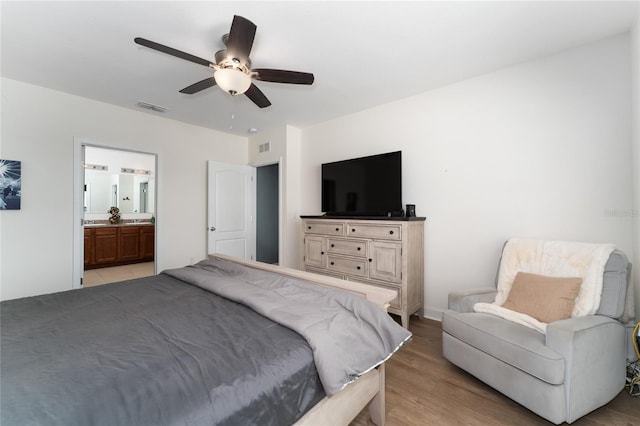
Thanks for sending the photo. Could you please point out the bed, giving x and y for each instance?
(225, 341)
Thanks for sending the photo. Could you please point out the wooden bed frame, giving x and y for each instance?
(342, 407)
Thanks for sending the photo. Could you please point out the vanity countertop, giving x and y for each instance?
(121, 224)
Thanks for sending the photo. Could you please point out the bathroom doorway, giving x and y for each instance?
(118, 210)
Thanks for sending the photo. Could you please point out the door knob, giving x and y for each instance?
(213, 228)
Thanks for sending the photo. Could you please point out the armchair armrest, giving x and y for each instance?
(594, 352)
(463, 301)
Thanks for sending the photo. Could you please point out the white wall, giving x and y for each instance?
(292, 226)
(635, 73)
(285, 147)
(38, 128)
(538, 150)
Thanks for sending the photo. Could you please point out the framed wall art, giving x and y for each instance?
(10, 184)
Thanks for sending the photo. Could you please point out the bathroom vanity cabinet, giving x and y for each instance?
(113, 245)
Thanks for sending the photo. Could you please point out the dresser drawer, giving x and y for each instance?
(324, 228)
(357, 267)
(381, 232)
(349, 247)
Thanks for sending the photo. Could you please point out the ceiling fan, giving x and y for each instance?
(232, 69)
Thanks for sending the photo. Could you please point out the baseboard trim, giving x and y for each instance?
(433, 313)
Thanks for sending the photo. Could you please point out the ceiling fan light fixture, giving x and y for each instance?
(232, 70)
(232, 80)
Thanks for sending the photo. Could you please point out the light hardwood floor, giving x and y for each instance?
(423, 388)
(93, 277)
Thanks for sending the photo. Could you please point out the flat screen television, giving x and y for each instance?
(366, 186)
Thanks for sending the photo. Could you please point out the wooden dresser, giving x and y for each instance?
(388, 253)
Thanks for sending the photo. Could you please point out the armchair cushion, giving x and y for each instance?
(543, 298)
(521, 347)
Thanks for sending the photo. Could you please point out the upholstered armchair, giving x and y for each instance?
(561, 369)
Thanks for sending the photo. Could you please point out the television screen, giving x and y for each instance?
(366, 186)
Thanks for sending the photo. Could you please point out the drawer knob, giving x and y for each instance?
(321, 252)
(391, 232)
(308, 227)
(353, 230)
(337, 229)
(370, 260)
(359, 248)
(333, 245)
(332, 263)
(358, 268)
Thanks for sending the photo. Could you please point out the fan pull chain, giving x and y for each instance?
(233, 115)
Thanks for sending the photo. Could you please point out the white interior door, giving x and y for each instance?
(231, 210)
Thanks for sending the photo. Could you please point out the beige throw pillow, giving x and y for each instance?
(544, 298)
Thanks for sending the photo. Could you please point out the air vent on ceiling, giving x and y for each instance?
(264, 147)
(152, 107)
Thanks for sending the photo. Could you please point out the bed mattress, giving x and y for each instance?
(152, 351)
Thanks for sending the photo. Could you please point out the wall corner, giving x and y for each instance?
(635, 167)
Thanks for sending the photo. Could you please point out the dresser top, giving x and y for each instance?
(391, 218)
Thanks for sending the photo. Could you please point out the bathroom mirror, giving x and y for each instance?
(130, 193)
(118, 178)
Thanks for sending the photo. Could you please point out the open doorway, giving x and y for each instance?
(268, 213)
(116, 249)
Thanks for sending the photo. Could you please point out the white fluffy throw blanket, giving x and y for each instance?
(513, 316)
(554, 259)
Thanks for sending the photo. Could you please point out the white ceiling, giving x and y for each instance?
(362, 53)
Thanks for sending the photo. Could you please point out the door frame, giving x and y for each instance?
(78, 205)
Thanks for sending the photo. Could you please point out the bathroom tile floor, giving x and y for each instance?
(101, 276)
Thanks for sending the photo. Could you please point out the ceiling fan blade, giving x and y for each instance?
(257, 97)
(283, 76)
(201, 85)
(171, 51)
(240, 39)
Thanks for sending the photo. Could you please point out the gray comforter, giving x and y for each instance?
(158, 351)
(349, 335)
